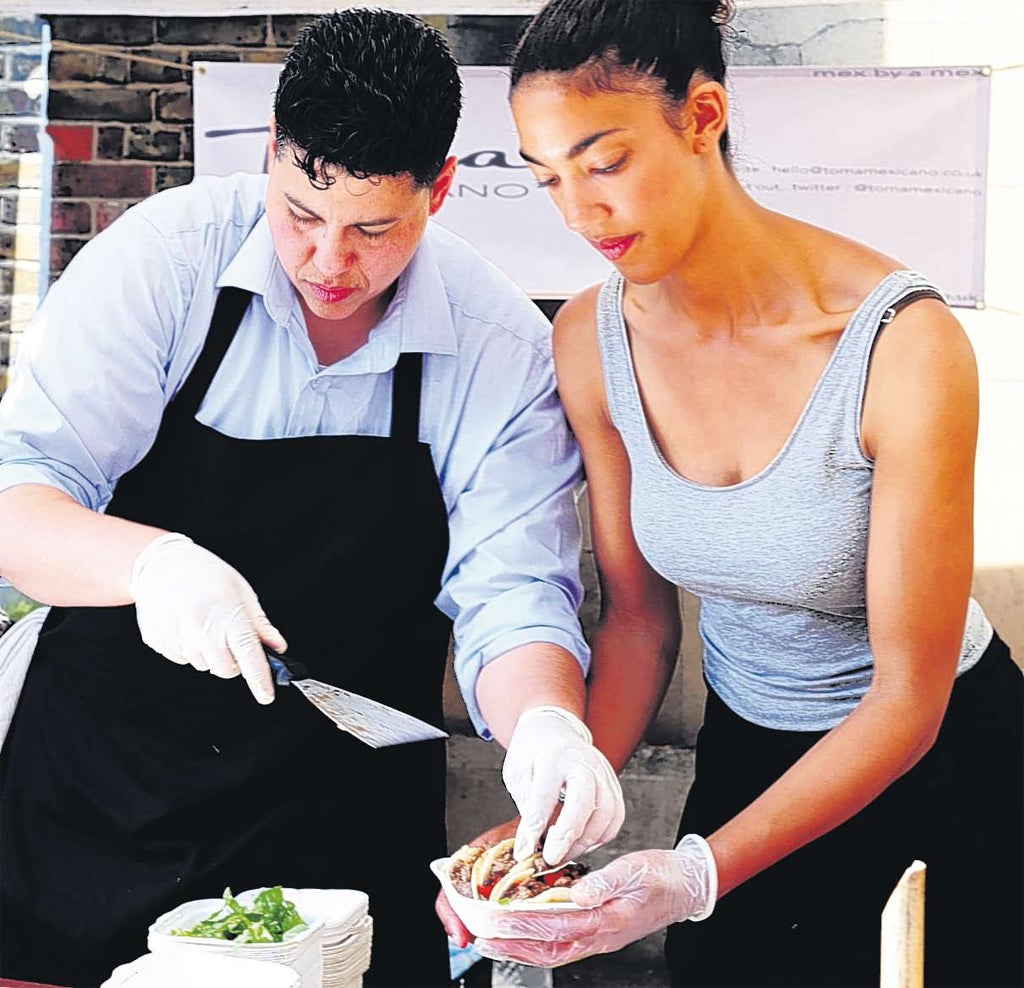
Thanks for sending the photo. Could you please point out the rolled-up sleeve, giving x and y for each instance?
(88, 386)
(512, 576)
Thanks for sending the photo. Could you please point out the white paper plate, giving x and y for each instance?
(339, 910)
(300, 951)
(347, 929)
(200, 971)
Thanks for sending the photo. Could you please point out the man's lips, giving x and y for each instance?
(614, 247)
(329, 295)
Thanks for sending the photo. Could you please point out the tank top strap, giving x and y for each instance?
(849, 373)
(621, 389)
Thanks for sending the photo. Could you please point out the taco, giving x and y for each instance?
(492, 873)
(460, 868)
(492, 866)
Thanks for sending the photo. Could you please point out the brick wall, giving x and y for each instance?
(120, 113)
(22, 88)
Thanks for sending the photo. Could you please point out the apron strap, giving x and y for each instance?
(227, 314)
(405, 397)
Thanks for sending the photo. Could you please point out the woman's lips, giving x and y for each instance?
(330, 295)
(614, 247)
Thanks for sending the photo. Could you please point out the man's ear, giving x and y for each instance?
(442, 184)
(271, 144)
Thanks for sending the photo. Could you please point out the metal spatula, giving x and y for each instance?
(371, 722)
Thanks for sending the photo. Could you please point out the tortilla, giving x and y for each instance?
(492, 866)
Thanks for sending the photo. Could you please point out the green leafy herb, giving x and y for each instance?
(267, 920)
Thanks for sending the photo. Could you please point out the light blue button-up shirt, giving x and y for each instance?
(118, 333)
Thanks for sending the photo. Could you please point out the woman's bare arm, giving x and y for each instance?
(920, 425)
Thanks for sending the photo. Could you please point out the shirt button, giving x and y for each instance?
(321, 384)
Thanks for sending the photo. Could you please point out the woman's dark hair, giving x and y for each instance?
(610, 42)
(373, 92)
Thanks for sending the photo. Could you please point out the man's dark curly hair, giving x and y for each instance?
(372, 92)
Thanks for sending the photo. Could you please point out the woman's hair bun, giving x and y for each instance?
(720, 11)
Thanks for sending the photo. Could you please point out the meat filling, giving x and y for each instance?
(562, 878)
(460, 871)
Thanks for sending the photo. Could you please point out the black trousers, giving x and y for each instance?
(814, 918)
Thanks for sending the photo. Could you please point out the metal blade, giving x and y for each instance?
(373, 723)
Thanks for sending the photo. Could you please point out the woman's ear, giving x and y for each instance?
(708, 106)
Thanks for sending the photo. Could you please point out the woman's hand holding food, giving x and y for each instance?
(195, 609)
(622, 902)
(551, 757)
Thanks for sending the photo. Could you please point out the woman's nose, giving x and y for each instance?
(580, 210)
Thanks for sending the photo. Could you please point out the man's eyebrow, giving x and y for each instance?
(577, 149)
(299, 205)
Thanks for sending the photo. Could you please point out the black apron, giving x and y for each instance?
(131, 784)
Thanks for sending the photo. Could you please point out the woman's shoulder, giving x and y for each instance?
(577, 357)
(846, 270)
(575, 324)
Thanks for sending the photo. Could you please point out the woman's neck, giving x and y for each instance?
(746, 266)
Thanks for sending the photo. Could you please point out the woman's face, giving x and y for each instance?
(621, 177)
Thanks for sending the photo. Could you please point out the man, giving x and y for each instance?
(292, 399)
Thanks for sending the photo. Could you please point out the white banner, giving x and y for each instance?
(892, 157)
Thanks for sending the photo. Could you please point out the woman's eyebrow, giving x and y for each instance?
(577, 149)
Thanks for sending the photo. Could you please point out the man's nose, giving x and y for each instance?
(334, 254)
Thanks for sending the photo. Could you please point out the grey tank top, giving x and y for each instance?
(778, 561)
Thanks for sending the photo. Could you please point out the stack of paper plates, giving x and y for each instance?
(200, 970)
(346, 930)
(301, 952)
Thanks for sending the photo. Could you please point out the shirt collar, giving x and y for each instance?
(418, 318)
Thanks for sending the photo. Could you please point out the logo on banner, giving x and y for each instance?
(489, 158)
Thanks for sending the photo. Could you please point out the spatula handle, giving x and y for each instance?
(285, 668)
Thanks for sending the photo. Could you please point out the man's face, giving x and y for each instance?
(343, 247)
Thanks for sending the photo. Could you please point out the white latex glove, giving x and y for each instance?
(550, 759)
(195, 609)
(624, 901)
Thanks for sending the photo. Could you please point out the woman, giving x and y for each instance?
(784, 422)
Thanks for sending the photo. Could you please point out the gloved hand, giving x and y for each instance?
(195, 609)
(626, 900)
(551, 758)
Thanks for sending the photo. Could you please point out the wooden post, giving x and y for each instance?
(903, 932)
